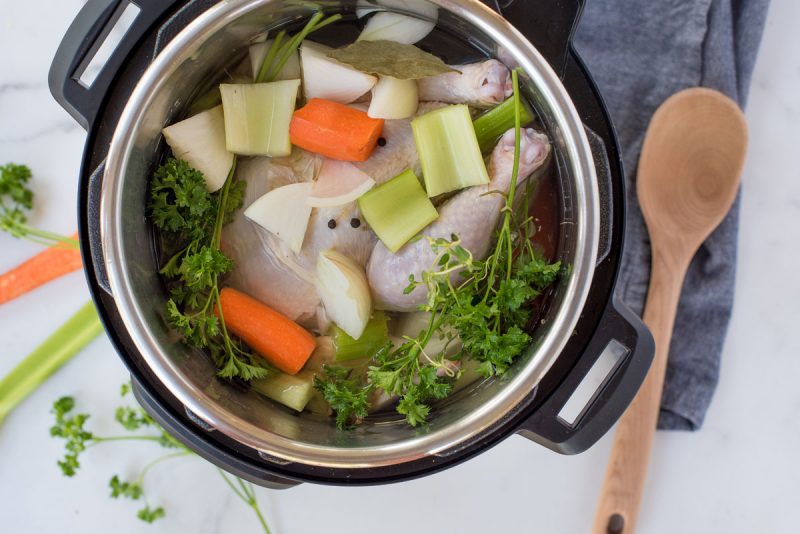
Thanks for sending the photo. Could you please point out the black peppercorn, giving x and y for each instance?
(331, 224)
(381, 141)
(355, 223)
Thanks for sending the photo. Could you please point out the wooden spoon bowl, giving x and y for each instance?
(689, 172)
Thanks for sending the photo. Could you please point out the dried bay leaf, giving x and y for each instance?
(388, 58)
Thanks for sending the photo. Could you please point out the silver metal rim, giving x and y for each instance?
(587, 233)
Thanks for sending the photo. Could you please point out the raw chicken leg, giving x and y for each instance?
(482, 85)
(471, 214)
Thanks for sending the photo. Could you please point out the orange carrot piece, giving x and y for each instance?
(46, 266)
(281, 341)
(334, 130)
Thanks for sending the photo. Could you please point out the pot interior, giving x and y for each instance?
(214, 44)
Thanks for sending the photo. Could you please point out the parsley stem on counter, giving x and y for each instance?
(71, 428)
(15, 199)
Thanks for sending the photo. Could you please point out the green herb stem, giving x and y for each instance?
(48, 357)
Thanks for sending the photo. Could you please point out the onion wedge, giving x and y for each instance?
(338, 183)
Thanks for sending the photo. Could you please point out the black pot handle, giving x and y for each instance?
(623, 349)
(548, 24)
(80, 44)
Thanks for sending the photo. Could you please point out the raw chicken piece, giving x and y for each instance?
(399, 153)
(471, 214)
(481, 85)
(265, 267)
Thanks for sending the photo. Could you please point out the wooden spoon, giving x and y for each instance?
(689, 173)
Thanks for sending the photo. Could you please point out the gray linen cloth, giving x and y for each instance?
(640, 52)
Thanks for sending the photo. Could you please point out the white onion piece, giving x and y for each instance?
(326, 78)
(290, 70)
(343, 289)
(338, 183)
(285, 212)
(200, 141)
(395, 27)
(394, 99)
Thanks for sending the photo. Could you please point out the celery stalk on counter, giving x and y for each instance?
(56, 350)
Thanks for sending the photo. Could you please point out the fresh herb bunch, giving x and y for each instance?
(488, 309)
(16, 199)
(71, 427)
(186, 213)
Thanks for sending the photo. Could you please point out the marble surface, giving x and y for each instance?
(739, 474)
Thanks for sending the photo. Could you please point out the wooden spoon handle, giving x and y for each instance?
(618, 506)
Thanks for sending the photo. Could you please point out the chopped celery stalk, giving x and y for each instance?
(375, 336)
(257, 117)
(398, 209)
(448, 150)
(293, 391)
(54, 352)
(497, 121)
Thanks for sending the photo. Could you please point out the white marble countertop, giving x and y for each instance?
(739, 474)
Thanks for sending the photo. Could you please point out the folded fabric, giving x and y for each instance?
(640, 53)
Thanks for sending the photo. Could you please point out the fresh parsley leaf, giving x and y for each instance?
(346, 394)
(129, 490)
(16, 198)
(150, 515)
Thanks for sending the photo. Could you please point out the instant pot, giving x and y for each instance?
(589, 354)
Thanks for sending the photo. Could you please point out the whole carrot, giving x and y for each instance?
(281, 341)
(48, 265)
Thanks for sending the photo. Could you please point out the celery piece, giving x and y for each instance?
(56, 350)
(397, 210)
(375, 336)
(257, 117)
(497, 121)
(448, 150)
(293, 391)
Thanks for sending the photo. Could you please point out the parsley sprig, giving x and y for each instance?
(72, 428)
(16, 199)
(487, 309)
(187, 214)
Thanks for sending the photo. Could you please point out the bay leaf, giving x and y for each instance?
(389, 58)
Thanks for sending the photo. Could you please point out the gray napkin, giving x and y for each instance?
(640, 53)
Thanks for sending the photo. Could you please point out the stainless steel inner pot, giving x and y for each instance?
(190, 62)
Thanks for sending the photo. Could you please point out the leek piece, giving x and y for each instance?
(448, 150)
(375, 336)
(398, 209)
(497, 121)
(257, 117)
(293, 391)
(48, 357)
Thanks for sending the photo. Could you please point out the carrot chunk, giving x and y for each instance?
(281, 341)
(334, 130)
